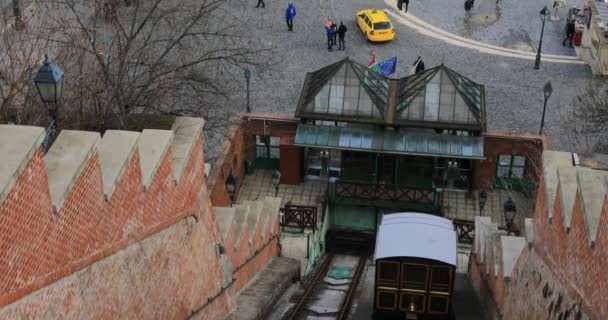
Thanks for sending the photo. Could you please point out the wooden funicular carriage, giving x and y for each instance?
(416, 256)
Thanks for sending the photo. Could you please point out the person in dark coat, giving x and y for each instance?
(407, 3)
(569, 32)
(330, 36)
(400, 5)
(468, 5)
(341, 34)
(334, 32)
(418, 65)
(261, 2)
(290, 14)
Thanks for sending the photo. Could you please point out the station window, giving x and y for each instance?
(267, 147)
(511, 166)
(414, 276)
(440, 279)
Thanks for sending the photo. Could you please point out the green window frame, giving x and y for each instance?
(511, 166)
(267, 147)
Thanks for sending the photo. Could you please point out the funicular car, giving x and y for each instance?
(415, 257)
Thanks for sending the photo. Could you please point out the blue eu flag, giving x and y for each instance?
(388, 67)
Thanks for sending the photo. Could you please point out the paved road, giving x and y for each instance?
(513, 88)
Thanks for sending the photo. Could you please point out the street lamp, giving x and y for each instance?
(547, 90)
(276, 181)
(543, 16)
(49, 83)
(510, 210)
(483, 197)
(231, 186)
(247, 77)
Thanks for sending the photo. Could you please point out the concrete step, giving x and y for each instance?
(17, 147)
(225, 218)
(65, 161)
(265, 288)
(239, 222)
(116, 150)
(254, 217)
(153, 145)
(186, 131)
(272, 205)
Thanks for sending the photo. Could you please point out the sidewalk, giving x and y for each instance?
(506, 23)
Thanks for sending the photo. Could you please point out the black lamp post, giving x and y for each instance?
(231, 186)
(547, 90)
(49, 83)
(510, 210)
(543, 16)
(483, 197)
(247, 77)
(276, 181)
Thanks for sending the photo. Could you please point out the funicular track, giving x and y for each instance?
(315, 288)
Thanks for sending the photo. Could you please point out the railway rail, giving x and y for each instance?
(315, 287)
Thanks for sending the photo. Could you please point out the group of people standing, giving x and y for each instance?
(334, 32)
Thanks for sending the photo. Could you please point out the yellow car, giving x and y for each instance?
(375, 25)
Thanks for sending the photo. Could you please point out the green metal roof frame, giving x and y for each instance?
(389, 141)
(393, 96)
(375, 85)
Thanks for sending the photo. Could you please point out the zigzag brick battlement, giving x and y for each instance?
(89, 196)
(563, 269)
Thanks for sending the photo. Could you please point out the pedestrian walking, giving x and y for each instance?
(569, 32)
(468, 5)
(261, 2)
(334, 32)
(330, 35)
(341, 34)
(407, 3)
(418, 66)
(290, 14)
(400, 5)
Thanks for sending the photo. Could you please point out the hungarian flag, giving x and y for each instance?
(373, 62)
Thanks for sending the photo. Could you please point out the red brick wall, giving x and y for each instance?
(569, 254)
(562, 274)
(136, 255)
(536, 293)
(530, 146)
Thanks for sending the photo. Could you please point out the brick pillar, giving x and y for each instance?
(290, 160)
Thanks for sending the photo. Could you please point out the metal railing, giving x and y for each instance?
(298, 217)
(388, 193)
(465, 230)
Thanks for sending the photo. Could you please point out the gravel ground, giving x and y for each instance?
(514, 96)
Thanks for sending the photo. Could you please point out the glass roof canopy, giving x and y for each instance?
(389, 141)
(438, 98)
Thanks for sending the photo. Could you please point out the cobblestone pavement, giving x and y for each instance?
(513, 89)
(508, 23)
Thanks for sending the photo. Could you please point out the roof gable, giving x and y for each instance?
(345, 88)
(441, 95)
(436, 98)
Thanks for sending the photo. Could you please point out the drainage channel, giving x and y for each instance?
(330, 293)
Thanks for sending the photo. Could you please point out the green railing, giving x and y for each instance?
(386, 195)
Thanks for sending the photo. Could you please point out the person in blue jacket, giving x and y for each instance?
(290, 13)
(330, 35)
